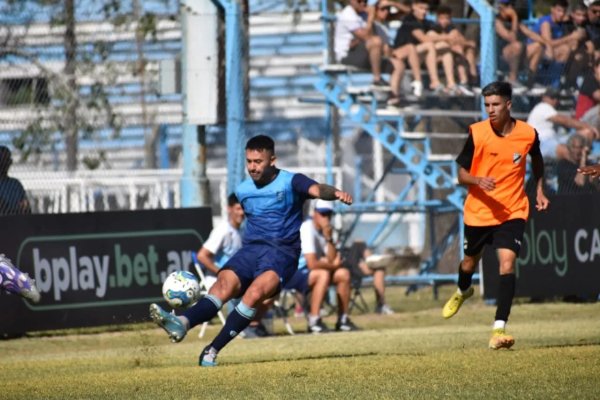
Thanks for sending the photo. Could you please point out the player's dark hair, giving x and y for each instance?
(232, 200)
(261, 142)
(498, 88)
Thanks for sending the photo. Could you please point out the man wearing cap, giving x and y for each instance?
(319, 253)
(544, 117)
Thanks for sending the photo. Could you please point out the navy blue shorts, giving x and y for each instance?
(254, 259)
(299, 281)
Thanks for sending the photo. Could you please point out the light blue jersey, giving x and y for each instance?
(274, 211)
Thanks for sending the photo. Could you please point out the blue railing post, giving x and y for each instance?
(489, 64)
(235, 41)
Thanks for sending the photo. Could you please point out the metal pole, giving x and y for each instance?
(190, 188)
(202, 177)
(235, 40)
(487, 43)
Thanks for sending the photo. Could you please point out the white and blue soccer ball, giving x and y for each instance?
(181, 289)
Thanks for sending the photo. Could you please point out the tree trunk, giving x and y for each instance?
(71, 131)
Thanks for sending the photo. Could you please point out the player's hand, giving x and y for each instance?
(541, 201)
(344, 197)
(486, 183)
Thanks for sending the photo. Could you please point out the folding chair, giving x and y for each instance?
(353, 255)
(203, 291)
(282, 306)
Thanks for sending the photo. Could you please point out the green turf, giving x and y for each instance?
(412, 354)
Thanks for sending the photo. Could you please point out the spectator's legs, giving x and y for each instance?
(396, 76)
(379, 286)
(447, 63)
(460, 62)
(414, 62)
(341, 280)
(374, 46)
(512, 55)
(409, 52)
(428, 49)
(471, 57)
(318, 282)
(534, 55)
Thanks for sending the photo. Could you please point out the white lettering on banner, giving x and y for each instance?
(544, 247)
(586, 251)
(62, 274)
(73, 273)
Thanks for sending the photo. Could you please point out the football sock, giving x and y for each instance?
(506, 292)
(204, 310)
(312, 319)
(464, 279)
(236, 322)
(499, 324)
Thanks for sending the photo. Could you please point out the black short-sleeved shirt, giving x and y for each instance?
(405, 33)
(589, 85)
(465, 158)
(437, 28)
(565, 174)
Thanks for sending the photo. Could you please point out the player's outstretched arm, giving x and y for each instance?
(328, 192)
(593, 171)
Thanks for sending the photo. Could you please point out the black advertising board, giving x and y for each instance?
(560, 253)
(96, 268)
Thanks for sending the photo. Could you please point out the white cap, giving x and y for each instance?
(588, 3)
(324, 206)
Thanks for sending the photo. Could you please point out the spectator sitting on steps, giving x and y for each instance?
(356, 45)
(544, 116)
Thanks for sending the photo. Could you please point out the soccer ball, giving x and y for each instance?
(181, 289)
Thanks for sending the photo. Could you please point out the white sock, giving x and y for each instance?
(343, 318)
(312, 319)
(499, 324)
(460, 291)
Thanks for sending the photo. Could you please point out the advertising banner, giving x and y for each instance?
(96, 268)
(560, 253)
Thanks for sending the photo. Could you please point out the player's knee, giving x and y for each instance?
(468, 264)
(254, 296)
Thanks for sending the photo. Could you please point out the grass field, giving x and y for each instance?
(412, 354)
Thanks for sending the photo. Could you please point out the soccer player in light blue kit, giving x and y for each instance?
(272, 200)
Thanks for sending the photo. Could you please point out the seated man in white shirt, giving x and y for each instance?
(320, 253)
(223, 242)
(357, 44)
(544, 117)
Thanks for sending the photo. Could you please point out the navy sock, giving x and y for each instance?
(506, 292)
(464, 279)
(236, 322)
(204, 310)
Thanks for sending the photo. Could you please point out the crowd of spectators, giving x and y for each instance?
(552, 59)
